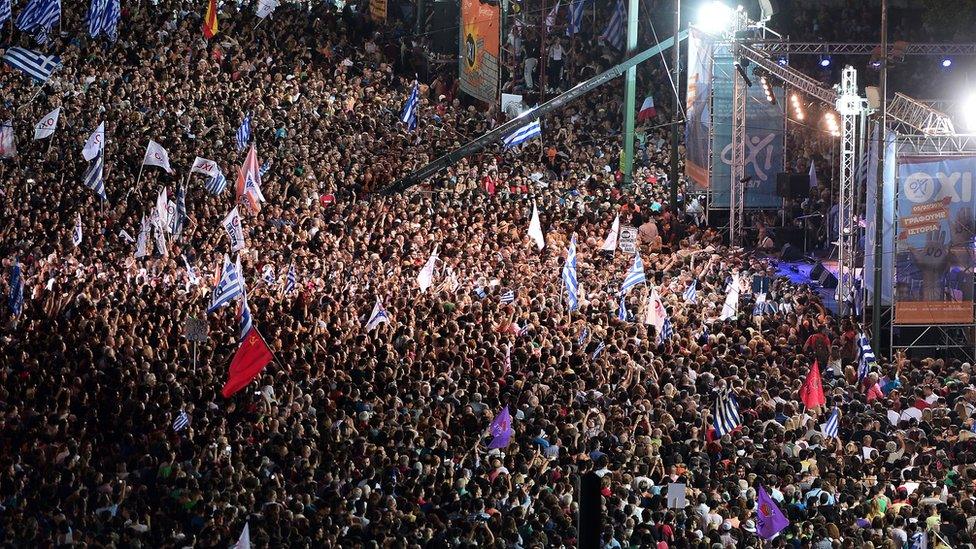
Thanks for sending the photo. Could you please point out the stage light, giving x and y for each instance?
(767, 89)
(742, 72)
(825, 61)
(783, 61)
(833, 128)
(946, 63)
(797, 107)
(969, 112)
(714, 17)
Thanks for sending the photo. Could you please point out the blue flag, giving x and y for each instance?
(409, 114)
(5, 11)
(229, 288)
(16, 300)
(36, 65)
(635, 275)
(569, 276)
(39, 17)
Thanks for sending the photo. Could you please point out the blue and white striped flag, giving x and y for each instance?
(575, 17)
(616, 32)
(599, 349)
(569, 276)
(622, 308)
(582, 337)
(866, 359)
(667, 331)
(553, 13)
(507, 297)
(377, 317)
(480, 292)
(16, 298)
(635, 275)
(216, 184)
(726, 413)
(244, 134)
(691, 292)
(111, 25)
(291, 281)
(244, 318)
(39, 17)
(36, 65)
(409, 114)
(178, 223)
(94, 177)
(5, 11)
(832, 427)
(99, 13)
(181, 422)
(229, 288)
(265, 168)
(523, 134)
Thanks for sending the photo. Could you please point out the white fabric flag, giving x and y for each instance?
(813, 174)
(162, 207)
(235, 231)
(377, 317)
(208, 168)
(47, 124)
(143, 241)
(244, 542)
(610, 244)
(125, 235)
(426, 276)
(731, 306)
(95, 143)
(159, 233)
(8, 141)
(266, 8)
(171, 217)
(156, 155)
(76, 235)
(535, 229)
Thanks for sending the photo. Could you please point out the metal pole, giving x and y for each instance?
(879, 193)
(630, 94)
(420, 17)
(677, 107)
(543, 57)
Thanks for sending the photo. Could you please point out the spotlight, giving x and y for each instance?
(797, 107)
(783, 61)
(714, 17)
(825, 61)
(830, 119)
(969, 112)
(767, 89)
(946, 63)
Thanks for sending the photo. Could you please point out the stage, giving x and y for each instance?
(802, 272)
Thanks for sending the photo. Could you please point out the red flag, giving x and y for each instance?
(210, 20)
(812, 393)
(252, 356)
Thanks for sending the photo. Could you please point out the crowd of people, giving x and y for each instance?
(379, 438)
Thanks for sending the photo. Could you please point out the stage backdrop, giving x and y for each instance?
(480, 29)
(764, 138)
(935, 241)
(697, 105)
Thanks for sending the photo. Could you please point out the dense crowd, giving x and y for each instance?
(356, 438)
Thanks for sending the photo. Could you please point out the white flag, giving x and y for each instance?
(426, 276)
(377, 317)
(731, 306)
(142, 243)
(8, 142)
(266, 8)
(232, 224)
(159, 233)
(76, 235)
(208, 168)
(162, 207)
(191, 273)
(95, 143)
(171, 217)
(156, 155)
(46, 126)
(813, 174)
(244, 542)
(610, 244)
(535, 229)
(125, 234)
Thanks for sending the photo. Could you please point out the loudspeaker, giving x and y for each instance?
(590, 512)
(817, 272)
(822, 275)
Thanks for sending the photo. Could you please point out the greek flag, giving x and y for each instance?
(616, 32)
(229, 287)
(216, 184)
(599, 349)
(265, 168)
(409, 114)
(575, 17)
(667, 331)
(726, 414)
(635, 276)
(569, 276)
(244, 318)
(181, 422)
(36, 65)
(5, 11)
(507, 297)
(582, 337)
(480, 292)
(866, 360)
(523, 134)
(691, 292)
(832, 427)
(377, 317)
(103, 17)
(290, 282)
(39, 16)
(622, 308)
(93, 177)
(244, 134)
(16, 298)
(179, 220)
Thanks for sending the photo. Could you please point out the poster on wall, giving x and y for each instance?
(480, 29)
(697, 105)
(934, 243)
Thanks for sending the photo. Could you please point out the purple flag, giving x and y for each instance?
(501, 429)
(769, 519)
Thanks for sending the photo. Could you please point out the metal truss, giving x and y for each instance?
(794, 78)
(852, 110)
(737, 187)
(937, 145)
(778, 47)
(918, 116)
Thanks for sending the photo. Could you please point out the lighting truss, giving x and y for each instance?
(777, 47)
(792, 77)
(918, 116)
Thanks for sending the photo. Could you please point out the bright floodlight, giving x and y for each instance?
(825, 62)
(969, 112)
(714, 17)
(947, 62)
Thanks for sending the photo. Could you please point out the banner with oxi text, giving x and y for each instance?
(479, 38)
(934, 242)
(698, 108)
